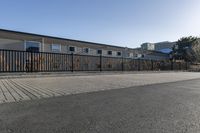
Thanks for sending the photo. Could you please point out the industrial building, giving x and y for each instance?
(14, 40)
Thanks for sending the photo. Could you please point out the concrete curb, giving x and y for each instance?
(63, 74)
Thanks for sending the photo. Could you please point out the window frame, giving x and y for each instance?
(119, 54)
(25, 44)
(56, 50)
(100, 52)
(109, 52)
(72, 47)
(88, 50)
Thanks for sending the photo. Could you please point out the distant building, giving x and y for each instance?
(148, 46)
(155, 55)
(164, 45)
(151, 55)
(156, 51)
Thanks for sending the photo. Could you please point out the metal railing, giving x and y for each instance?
(22, 61)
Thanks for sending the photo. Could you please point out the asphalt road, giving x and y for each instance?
(160, 108)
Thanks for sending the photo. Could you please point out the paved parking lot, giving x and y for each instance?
(159, 108)
(19, 89)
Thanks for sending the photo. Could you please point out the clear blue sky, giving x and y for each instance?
(116, 22)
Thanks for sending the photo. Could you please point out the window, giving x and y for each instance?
(86, 50)
(119, 53)
(130, 54)
(99, 51)
(72, 49)
(32, 46)
(176, 47)
(109, 65)
(139, 55)
(56, 47)
(109, 52)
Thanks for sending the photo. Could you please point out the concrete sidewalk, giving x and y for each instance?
(19, 89)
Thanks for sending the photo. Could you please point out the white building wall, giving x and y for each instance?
(19, 45)
(11, 44)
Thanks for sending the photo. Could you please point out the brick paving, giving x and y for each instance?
(19, 89)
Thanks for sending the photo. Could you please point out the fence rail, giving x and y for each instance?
(22, 61)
